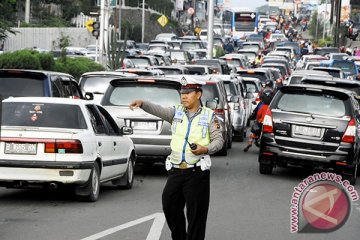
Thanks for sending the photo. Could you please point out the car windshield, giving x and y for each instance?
(95, 84)
(19, 87)
(316, 103)
(348, 67)
(36, 114)
(124, 94)
(157, 48)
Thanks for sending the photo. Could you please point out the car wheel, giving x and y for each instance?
(91, 191)
(126, 181)
(352, 176)
(265, 168)
(229, 145)
(224, 150)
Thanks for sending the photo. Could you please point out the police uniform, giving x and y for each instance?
(188, 182)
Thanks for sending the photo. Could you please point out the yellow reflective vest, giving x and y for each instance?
(184, 131)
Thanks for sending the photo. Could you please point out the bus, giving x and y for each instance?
(242, 22)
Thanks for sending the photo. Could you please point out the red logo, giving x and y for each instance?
(325, 206)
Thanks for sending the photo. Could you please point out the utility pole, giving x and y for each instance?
(210, 33)
(325, 18)
(337, 25)
(143, 22)
(120, 3)
(27, 11)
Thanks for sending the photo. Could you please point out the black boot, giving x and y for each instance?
(247, 147)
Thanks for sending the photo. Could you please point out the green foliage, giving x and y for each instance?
(23, 59)
(77, 66)
(163, 6)
(30, 59)
(7, 18)
(325, 42)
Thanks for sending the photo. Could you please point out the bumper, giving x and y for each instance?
(151, 145)
(281, 155)
(38, 172)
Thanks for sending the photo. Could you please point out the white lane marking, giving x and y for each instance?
(156, 227)
(154, 234)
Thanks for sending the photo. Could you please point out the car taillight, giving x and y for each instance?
(349, 135)
(63, 146)
(219, 111)
(268, 122)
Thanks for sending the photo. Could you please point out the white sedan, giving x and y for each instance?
(56, 141)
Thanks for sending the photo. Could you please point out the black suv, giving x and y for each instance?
(37, 83)
(312, 126)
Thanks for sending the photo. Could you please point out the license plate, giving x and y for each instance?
(20, 148)
(143, 125)
(307, 131)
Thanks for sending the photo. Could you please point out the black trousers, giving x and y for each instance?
(190, 188)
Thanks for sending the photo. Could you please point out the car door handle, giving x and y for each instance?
(100, 144)
(114, 143)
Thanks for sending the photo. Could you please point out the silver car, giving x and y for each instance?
(151, 135)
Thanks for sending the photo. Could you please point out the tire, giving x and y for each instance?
(126, 181)
(351, 177)
(92, 189)
(265, 168)
(229, 145)
(224, 149)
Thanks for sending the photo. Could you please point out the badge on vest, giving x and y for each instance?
(203, 120)
(179, 115)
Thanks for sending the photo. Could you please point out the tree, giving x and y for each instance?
(7, 18)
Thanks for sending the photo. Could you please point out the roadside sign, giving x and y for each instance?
(89, 25)
(252, 15)
(163, 20)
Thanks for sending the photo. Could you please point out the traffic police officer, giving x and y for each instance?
(196, 134)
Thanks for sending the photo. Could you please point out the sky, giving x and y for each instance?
(248, 3)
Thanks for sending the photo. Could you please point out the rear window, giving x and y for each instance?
(295, 79)
(234, 62)
(312, 103)
(124, 94)
(197, 71)
(251, 87)
(95, 84)
(171, 71)
(21, 86)
(190, 45)
(230, 88)
(348, 67)
(259, 76)
(211, 93)
(141, 61)
(43, 115)
(334, 73)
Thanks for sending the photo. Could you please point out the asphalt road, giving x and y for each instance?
(243, 205)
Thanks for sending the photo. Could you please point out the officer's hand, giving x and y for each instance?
(200, 150)
(136, 104)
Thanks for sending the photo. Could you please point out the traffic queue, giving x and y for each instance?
(300, 106)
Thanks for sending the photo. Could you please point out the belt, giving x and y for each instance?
(185, 165)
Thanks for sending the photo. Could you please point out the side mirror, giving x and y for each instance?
(89, 96)
(211, 104)
(126, 130)
(253, 102)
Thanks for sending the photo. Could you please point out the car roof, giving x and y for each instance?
(320, 87)
(308, 72)
(47, 100)
(108, 73)
(172, 78)
(37, 71)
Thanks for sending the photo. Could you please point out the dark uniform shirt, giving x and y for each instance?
(216, 138)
